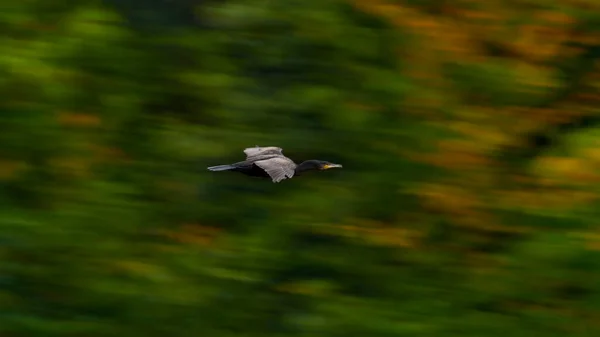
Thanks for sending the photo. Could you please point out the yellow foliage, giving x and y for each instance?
(460, 32)
(591, 239)
(543, 199)
(479, 137)
(593, 155)
(533, 75)
(570, 170)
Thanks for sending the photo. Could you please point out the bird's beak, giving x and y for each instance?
(330, 166)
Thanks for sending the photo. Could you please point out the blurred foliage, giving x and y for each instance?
(467, 205)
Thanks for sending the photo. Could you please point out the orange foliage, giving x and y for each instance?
(592, 240)
(109, 154)
(448, 199)
(193, 235)
(79, 119)
(529, 43)
(362, 106)
(10, 168)
(134, 267)
(456, 154)
(538, 42)
(381, 234)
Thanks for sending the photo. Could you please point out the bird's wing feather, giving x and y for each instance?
(255, 151)
(279, 168)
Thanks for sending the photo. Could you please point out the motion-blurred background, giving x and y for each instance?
(467, 205)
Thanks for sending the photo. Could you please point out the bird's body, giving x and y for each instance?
(269, 162)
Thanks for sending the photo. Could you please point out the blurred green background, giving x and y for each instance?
(467, 205)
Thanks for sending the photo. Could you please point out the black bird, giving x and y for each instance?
(269, 162)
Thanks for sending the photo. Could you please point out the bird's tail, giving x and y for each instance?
(221, 168)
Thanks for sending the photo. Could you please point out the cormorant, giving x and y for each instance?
(269, 162)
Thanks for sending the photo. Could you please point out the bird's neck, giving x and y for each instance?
(307, 165)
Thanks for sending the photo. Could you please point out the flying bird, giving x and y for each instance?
(269, 162)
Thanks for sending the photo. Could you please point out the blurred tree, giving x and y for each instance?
(464, 207)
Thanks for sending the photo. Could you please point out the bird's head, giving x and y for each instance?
(313, 164)
(325, 165)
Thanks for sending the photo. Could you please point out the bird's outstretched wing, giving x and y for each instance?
(260, 151)
(279, 168)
